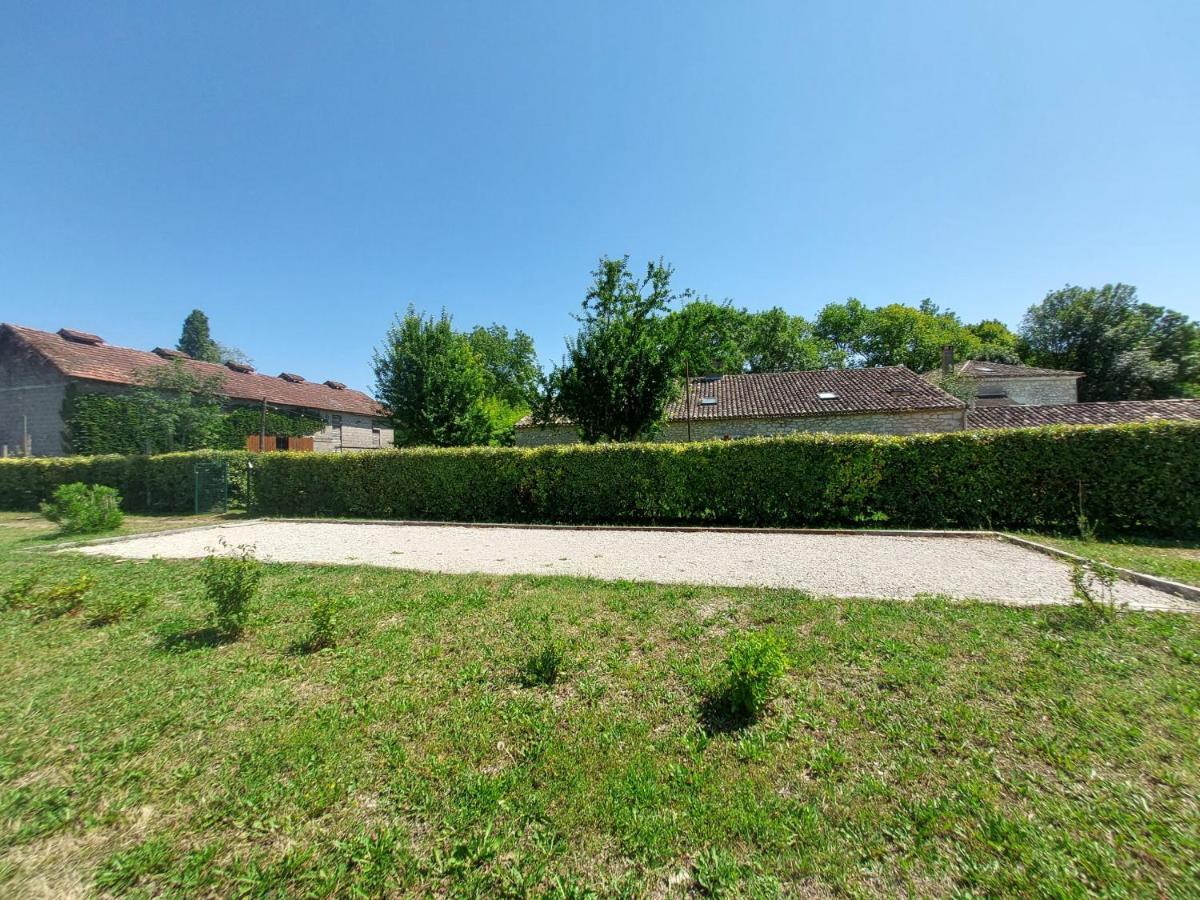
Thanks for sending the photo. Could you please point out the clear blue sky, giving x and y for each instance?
(302, 171)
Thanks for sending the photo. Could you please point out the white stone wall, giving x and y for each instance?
(1032, 390)
(912, 422)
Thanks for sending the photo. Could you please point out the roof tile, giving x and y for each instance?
(799, 394)
(977, 368)
(1112, 413)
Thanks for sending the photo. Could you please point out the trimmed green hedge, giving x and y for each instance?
(1133, 477)
(155, 484)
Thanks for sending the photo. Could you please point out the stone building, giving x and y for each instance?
(1001, 384)
(37, 368)
(884, 400)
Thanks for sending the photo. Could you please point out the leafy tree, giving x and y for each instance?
(900, 335)
(619, 372)
(435, 385)
(708, 338)
(718, 338)
(844, 325)
(510, 363)
(779, 342)
(996, 342)
(196, 341)
(227, 353)
(1127, 350)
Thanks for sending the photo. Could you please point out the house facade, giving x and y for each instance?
(39, 368)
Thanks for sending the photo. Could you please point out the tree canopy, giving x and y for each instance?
(509, 362)
(912, 336)
(443, 391)
(1127, 350)
(196, 340)
(619, 372)
(718, 338)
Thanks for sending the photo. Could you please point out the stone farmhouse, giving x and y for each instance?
(37, 368)
(884, 400)
(1001, 384)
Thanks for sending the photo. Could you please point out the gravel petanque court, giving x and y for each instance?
(839, 565)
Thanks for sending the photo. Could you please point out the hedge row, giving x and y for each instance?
(149, 484)
(1130, 477)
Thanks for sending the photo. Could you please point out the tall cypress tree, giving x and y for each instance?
(196, 341)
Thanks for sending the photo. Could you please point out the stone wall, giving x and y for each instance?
(1030, 391)
(31, 397)
(345, 431)
(911, 422)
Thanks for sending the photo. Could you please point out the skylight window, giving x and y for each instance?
(827, 395)
(984, 369)
(708, 401)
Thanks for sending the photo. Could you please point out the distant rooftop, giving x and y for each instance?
(974, 368)
(817, 392)
(1112, 413)
(78, 354)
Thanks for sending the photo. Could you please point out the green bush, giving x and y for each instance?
(231, 582)
(753, 668)
(85, 508)
(322, 631)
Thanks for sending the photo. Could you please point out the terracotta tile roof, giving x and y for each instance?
(120, 365)
(1083, 413)
(773, 395)
(975, 368)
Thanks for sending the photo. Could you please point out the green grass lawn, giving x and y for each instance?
(1178, 560)
(930, 748)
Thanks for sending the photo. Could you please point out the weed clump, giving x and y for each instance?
(1093, 587)
(754, 665)
(84, 508)
(543, 666)
(114, 606)
(64, 598)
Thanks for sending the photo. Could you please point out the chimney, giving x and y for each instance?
(947, 360)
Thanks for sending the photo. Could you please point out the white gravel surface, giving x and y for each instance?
(857, 565)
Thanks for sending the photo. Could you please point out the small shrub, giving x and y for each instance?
(754, 666)
(84, 508)
(113, 606)
(544, 666)
(323, 626)
(231, 582)
(17, 594)
(61, 599)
